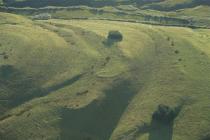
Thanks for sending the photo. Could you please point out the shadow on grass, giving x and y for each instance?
(62, 84)
(161, 131)
(97, 120)
(20, 88)
(15, 84)
(110, 42)
(40, 92)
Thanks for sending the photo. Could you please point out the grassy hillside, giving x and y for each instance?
(60, 79)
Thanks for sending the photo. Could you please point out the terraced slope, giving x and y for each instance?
(61, 80)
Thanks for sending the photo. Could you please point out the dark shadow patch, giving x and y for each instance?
(20, 88)
(40, 92)
(161, 131)
(97, 120)
(7, 71)
(62, 84)
(13, 84)
(207, 137)
(109, 42)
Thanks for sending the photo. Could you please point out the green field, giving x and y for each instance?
(59, 80)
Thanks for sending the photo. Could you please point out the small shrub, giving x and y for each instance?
(5, 56)
(202, 53)
(172, 43)
(108, 58)
(176, 51)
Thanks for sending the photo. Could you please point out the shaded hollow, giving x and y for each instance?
(97, 120)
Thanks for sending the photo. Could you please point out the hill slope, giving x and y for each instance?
(65, 82)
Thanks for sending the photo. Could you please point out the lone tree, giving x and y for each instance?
(115, 36)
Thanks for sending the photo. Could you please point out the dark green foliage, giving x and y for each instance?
(176, 51)
(44, 3)
(168, 38)
(115, 36)
(6, 56)
(172, 43)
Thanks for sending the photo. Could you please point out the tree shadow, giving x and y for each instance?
(97, 120)
(109, 42)
(161, 131)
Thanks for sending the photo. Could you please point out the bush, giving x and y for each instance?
(176, 51)
(115, 36)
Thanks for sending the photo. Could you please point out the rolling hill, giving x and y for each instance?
(61, 79)
(65, 76)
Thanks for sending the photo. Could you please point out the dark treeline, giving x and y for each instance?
(153, 4)
(178, 6)
(43, 3)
